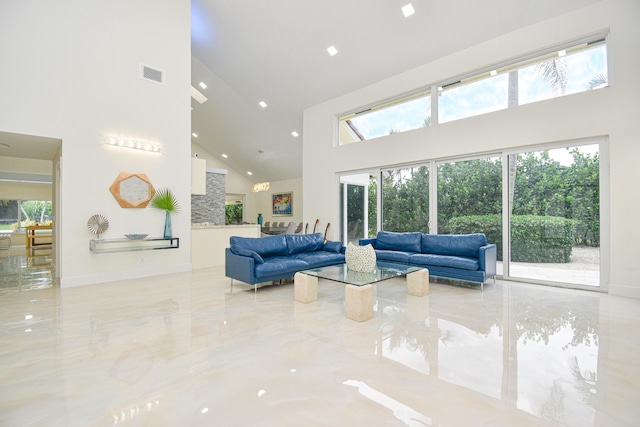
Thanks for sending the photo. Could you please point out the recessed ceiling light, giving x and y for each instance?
(332, 50)
(203, 85)
(224, 155)
(294, 133)
(195, 135)
(408, 10)
(263, 104)
(249, 173)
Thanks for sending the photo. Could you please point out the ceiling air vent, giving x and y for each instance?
(151, 74)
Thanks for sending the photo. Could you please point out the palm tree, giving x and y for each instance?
(598, 80)
(554, 71)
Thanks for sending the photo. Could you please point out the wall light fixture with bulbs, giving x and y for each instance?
(132, 143)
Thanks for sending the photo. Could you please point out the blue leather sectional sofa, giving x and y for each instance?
(455, 256)
(264, 259)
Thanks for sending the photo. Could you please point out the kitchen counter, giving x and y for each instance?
(208, 242)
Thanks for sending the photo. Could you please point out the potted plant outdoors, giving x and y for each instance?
(165, 200)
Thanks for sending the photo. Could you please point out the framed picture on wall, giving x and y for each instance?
(282, 204)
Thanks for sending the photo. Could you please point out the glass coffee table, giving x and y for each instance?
(358, 292)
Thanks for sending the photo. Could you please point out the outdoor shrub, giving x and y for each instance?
(538, 239)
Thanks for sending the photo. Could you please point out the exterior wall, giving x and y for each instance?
(608, 112)
(74, 76)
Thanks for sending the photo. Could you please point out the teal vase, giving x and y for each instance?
(167, 225)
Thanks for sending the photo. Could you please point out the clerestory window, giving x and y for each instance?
(568, 69)
(399, 115)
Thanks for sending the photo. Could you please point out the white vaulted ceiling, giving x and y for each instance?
(248, 51)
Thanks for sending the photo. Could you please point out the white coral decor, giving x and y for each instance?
(360, 258)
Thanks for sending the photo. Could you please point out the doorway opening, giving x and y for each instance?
(29, 210)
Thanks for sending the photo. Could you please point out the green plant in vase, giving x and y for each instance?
(166, 201)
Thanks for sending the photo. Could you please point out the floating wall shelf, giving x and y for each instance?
(101, 246)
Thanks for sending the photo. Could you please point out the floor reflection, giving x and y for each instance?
(182, 350)
(539, 358)
(24, 273)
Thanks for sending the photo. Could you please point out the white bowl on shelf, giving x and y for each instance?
(135, 236)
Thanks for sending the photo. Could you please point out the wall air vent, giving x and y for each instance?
(151, 74)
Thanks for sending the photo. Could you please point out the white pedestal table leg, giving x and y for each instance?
(305, 288)
(358, 302)
(418, 283)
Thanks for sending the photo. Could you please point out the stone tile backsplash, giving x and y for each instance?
(210, 207)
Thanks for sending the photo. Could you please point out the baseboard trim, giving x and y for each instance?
(93, 279)
(624, 291)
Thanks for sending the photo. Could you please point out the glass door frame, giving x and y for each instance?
(603, 153)
(605, 229)
(343, 214)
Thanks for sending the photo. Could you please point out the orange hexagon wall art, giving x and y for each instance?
(132, 190)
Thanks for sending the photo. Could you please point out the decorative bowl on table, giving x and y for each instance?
(135, 236)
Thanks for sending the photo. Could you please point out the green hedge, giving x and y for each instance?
(533, 238)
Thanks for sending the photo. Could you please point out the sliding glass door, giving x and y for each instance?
(358, 206)
(541, 208)
(554, 215)
(405, 199)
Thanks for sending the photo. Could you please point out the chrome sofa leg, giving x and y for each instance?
(231, 290)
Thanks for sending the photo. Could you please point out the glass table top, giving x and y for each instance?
(341, 273)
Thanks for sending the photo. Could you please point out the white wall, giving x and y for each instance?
(25, 190)
(235, 182)
(71, 71)
(608, 112)
(264, 201)
(31, 166)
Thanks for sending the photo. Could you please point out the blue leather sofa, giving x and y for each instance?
(265, 259)
(456, 256)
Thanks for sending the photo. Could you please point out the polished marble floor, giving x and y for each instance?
(182, 350)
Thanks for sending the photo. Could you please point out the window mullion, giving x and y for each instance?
(434, 105)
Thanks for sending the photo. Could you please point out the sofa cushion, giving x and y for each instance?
(467, 245)
(406, 242)
(265, 246)
(463, 263)
(319, 258)
(297, 243)
(330, 246)
(395, 256)
(279, 265)
(253, 254)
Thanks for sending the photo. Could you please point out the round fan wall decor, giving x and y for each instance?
(98, 224)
